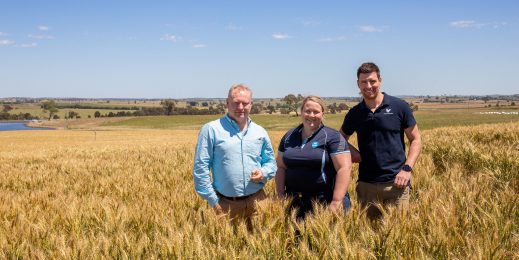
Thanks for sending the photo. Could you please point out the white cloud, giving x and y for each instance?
(2, 34)
(233, 27)
(43, 27)
(199, 46)
(370, 29)
(28, 45)
(6, 42)
(466, 24)
(497, 25)
(332, 39)
(280, 36)
(40, 37)
(311, 23)
(171, 38)
(463, 24)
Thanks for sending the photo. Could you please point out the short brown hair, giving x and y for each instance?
(315, 99)
(368, 67)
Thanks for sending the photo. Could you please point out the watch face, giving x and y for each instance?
(407, 168)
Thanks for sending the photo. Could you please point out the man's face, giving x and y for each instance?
(369, 85)
(239, 105)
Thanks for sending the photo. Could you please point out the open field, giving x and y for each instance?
(129, 194)
(83, 113)
(88, 107)
(427, 119)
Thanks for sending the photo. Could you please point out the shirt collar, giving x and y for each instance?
(299, 129)
(235, 125)
(383, 104)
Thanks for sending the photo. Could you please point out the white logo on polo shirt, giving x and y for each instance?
(388, 111)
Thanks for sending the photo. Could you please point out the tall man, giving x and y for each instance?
(380, 122)
(239, 154)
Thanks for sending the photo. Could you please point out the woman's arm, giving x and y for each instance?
(280, 176)
(342, 164)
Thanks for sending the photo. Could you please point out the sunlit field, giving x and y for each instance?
(427, 119)
(129, 194)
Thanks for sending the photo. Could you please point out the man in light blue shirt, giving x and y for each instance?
(239, 154)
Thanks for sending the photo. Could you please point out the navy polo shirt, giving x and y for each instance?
(380, 136)
(306, 169)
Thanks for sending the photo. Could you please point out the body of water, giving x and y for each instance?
(19, 126)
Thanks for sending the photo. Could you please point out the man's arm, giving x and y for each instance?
(415, 146)
(355, 154)
(202, 164)
(268, 161)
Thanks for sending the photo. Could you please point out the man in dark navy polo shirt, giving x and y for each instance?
(381, 121)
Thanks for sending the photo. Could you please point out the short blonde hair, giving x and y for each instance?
(240, 86)
(315, 99)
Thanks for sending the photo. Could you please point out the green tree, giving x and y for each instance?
(343, 106)
(50, 107)
(97, 114)
(333, 108)
(72, 114)
(7, 108)
(256, 108)
(271, 109)
(168, 105)
(220, 108)
(293, 102)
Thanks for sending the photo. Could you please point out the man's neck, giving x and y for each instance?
(374, 102)
(242, 123)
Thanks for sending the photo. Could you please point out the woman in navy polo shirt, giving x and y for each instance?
(314, 162)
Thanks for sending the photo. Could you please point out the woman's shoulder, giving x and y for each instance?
(332, 134)
(294, 130)
(330, 130)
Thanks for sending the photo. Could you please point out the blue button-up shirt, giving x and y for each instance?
(231, 155)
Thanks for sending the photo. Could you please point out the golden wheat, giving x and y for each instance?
(129, 194)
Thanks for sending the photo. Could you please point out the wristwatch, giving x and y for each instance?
(407, 168)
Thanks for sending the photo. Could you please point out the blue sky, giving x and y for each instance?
(180, 49)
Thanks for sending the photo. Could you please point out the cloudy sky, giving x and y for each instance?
(179, 49)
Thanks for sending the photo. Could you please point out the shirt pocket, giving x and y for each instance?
(253, 147)
(390, 122)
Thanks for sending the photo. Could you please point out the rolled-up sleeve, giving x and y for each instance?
(268, 162)
(202, 165)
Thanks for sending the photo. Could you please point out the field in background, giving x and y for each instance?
(129, 194)
(35, 110)
(427, 119)
(89, 107)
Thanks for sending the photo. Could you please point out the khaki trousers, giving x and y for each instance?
(385, 194)
(244, 208)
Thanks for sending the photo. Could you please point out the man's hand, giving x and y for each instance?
(335, 205)
(256, 176)
(402, 179)
(218, 209)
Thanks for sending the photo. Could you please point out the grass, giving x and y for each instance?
(426, 119)
(129, 194)
(84, 113)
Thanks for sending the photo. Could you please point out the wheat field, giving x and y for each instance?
(129, 194)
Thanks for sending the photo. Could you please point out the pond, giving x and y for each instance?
(11, 126)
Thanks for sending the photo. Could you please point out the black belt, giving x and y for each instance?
(235, 198)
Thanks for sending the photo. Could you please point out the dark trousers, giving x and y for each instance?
(303, 202)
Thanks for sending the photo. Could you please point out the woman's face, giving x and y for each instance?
(312, 115)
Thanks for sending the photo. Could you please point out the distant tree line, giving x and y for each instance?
(20, 116)
(81, 106)
(168, 107)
